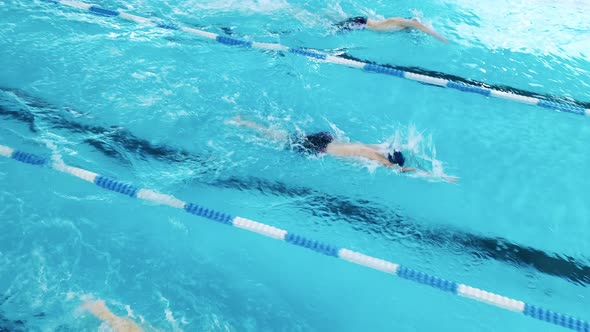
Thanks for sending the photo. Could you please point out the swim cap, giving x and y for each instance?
(397, 158)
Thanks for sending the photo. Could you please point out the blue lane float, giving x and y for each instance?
(233, 41)
(469, 88)
(308, 53)
(168, 26)
(115, 185)
(561, 105)
(28, 158)
(383, 70)
(374, 263)
(103, 11)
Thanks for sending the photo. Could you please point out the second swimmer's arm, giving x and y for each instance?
(268, 132)
(423, 28)
(386, 24)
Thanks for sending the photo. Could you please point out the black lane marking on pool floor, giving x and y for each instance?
(363, 215)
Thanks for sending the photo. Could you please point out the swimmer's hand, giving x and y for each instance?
(450, 179)
(446, 178)
(407, 169)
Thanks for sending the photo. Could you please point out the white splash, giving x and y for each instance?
(169, 315)
(339, 133)
(420, 153)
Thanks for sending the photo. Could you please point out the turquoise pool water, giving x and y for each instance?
(150, 107)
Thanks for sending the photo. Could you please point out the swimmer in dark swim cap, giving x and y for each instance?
(323, 143)
(396, 158)
(387, 25)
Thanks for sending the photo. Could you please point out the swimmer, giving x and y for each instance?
(323, 143)
(116, 323)
(387, 25)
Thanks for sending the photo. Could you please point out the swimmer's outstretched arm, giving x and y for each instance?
(273, 134)
(118, 324)
(387, 24)
(417, 25)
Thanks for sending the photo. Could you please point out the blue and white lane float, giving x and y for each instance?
(316, 55)
(302, 241)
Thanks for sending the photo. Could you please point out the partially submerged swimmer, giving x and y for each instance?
(387, 25)
(323, 142)
(116, 323)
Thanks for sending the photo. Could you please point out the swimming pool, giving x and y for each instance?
(149, 106)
